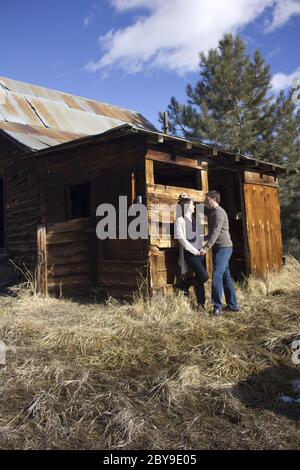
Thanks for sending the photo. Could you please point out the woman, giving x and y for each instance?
(189, 247)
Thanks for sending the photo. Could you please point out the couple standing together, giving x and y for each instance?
(191, 251)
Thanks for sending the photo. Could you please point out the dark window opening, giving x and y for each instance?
(2, 241)
(79, 196)
(228, 184)
(178, 176)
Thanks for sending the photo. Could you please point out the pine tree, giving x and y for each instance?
(231, 106)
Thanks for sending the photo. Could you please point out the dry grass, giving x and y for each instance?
(151, 375)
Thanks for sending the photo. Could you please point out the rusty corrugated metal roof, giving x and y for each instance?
(39, 118)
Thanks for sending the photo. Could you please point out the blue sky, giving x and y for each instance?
(138, 53)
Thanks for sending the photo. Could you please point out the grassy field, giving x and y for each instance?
(151, 375)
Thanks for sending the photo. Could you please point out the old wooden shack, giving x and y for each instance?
(61, 156)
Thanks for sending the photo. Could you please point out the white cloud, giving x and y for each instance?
(87, 21)
(273, 53)
(170, 33)
(123, 5)
(283, 11)
(281, 81)
(90, 17)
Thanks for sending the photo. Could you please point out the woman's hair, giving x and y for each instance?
(183, 203)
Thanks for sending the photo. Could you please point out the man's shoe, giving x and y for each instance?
(229, 309)
(216, 312)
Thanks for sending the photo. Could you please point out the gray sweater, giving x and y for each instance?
(218, 229)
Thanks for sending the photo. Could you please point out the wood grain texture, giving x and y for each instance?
(260, 178)
(42, 263)
(22, 205)
(69, 266)
(179, 161)
(263, 228)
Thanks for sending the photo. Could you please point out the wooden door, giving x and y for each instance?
(263, 228)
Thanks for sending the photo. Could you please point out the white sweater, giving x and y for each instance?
(184, 244)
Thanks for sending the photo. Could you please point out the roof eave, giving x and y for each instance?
(80, 141)
(160, 137)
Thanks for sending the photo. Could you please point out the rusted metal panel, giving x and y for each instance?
(100, 108)
(75, 102)
(17, 109)
(49, 137)
(3, 95)
(64, 118)
(2, 118)
(47, 110)
(27, 140)
(47, 141)
(34, 136)
(59, 136)
(23, 88)
(43, 109)
(15, 85)
(11, 113)
(71, 102)
(263, 228)
(46, 93)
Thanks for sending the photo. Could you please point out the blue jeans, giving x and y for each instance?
(196, 264)
(222, 279)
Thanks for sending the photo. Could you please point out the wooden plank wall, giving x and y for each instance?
(260, 178)
(78, 259)
(80, 165)
(68, 260)
(22, 205)
(121, 278)
(263, 224)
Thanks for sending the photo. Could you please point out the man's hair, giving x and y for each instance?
(213, 194)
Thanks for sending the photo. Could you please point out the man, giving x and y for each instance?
(219, 241)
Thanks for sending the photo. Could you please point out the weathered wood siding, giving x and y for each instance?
(22, 204)
(263, 223)
(78, 259)
(68, 259)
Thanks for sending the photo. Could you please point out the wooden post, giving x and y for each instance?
(133, 188)
(205, 189)
(92, 251)
(244, 221)
(42, 268)
(204, 179)
(149, 177)
(166, 123)
(149, 171)
(92, 236)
